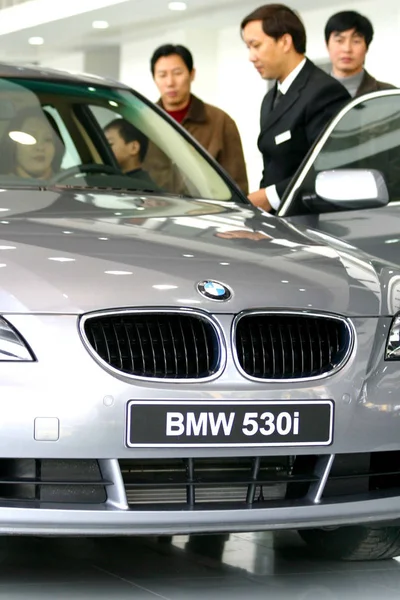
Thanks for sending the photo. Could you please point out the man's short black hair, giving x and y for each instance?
(130, 133)
(350, 19)
(169, 50)
(277, 20)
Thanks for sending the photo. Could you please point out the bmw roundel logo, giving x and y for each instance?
(214, 290)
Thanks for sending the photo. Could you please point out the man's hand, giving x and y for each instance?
(260, 200)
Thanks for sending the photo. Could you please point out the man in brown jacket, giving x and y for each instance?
(173, 73)
(348, 36)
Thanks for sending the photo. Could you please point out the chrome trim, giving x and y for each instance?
(13, 347)
(321, 143)
(322, 470)
(221, 362)
(116, 495)
(394, 280)
(350, 350)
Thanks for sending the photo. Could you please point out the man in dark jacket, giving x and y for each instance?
(298, 107)
(173, 72)
(348, 36)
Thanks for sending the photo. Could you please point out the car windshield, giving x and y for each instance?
(85, 136)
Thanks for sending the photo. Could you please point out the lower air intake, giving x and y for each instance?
(241, 482)
(51, 481)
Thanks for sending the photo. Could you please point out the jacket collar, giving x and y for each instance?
(196, 112)
(368, 84)
(271, 116)
(287, 83)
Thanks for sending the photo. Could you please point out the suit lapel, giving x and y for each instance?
(267, 104)
(289, 99)
(284, 105)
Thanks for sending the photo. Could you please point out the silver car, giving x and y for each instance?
(173, 361)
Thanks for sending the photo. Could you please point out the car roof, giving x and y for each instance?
(46, 74)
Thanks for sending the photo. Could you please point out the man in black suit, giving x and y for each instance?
(298, 107)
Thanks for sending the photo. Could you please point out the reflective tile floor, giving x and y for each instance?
(243, 567)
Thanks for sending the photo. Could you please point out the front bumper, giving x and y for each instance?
(89, 404)
(98, 521)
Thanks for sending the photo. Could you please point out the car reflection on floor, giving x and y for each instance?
(249, 565)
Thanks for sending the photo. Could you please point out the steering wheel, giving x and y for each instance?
(89, 168)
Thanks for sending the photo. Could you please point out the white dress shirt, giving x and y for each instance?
(270, 191)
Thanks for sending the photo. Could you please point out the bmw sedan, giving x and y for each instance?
(173, 361)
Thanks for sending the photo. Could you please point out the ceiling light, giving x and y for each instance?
(177, 5)
(36, 41)
(100, 25)
(8, 247)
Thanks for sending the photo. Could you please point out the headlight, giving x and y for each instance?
(393, 343)
(12, 346)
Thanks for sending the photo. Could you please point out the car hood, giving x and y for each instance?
(75, 252)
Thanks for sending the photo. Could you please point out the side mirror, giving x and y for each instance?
(352, 189)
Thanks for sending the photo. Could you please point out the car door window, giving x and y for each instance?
(366, 137)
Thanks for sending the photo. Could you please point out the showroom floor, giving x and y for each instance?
(248, 566)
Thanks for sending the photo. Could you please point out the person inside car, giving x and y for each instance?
(30, 147)
(129, 146)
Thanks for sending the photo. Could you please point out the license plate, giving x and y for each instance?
(171, 424)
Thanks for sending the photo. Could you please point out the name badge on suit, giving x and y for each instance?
(283, 137)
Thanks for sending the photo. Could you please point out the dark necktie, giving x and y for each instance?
(277, 99)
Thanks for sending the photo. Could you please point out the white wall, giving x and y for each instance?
(68, 62)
